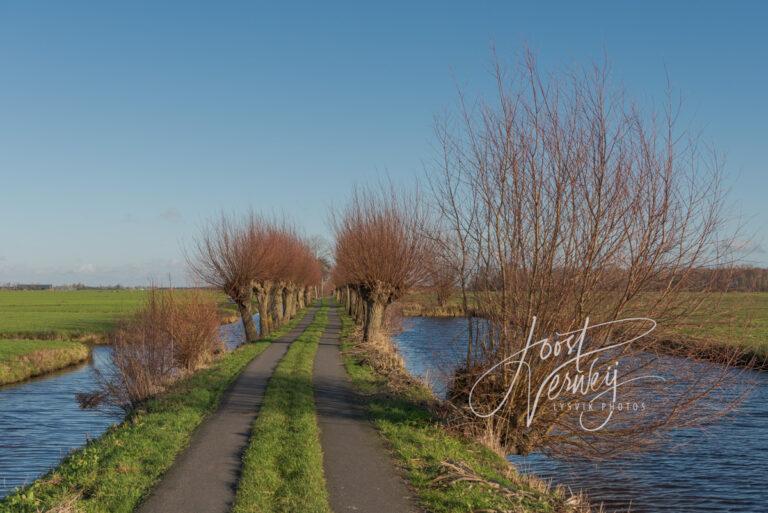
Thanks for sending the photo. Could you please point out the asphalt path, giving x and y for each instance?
(204, 477)
(359, 472)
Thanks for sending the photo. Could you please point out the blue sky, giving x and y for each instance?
(124, 125)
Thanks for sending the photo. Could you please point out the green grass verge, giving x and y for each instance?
(23, 359)
(113, 472)
(420, 445)
(283, 465)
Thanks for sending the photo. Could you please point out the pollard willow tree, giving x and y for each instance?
(560, 200)
(224, 259)
(257, 259)
(379, 247)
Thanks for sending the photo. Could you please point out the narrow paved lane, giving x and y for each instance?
(203, 479)
(360, 474)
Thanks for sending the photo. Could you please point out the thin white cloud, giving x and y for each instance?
(158, 271)
(171, 215)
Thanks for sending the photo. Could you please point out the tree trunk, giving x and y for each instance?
(374, 319)
(277, 305)
(289, 301)
(251, 334)
(262, 299)
(359, 309)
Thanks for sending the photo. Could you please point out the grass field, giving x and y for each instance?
(22, 359)
(283, 464)
(739, 318)
(113, 472)
(64, 313)
(48, 314)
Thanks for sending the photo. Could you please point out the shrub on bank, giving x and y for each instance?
(173, 334)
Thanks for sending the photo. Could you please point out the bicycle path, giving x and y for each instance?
(204, 477)
(359, 472)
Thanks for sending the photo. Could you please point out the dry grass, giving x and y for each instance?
(452, 473)
(23, 359)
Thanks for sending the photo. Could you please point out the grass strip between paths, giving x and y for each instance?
(283, 465)
(113, 472)
(420, 446)
(23, 359)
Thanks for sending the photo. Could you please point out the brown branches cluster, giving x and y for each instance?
(172, 334)
(380, 246)
(258, 260)
(561, 200)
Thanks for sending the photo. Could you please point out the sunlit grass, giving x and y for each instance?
(283, 465)
(114, 472)
(421, 446)
(70, 313)
(22, 359)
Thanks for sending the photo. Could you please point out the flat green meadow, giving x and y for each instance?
(70, 314)
(732, 318)
(64, 313)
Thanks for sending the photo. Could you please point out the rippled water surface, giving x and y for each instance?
(41, 421)
(724, 469)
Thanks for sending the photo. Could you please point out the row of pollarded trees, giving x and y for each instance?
(254, 259)
(380, 250)
(556, 204)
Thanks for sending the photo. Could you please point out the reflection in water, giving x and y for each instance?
(41, 421)
(721, 469)
(233, 334)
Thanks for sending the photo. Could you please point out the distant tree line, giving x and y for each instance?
(738, 279)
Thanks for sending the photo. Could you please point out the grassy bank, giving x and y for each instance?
(448, 472)
(23, 359)
(732, 318)
(283, 465)
(113, 472)
(424, 304)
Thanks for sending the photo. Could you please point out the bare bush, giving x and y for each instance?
(560, 203)
(193, 324)
(174, 333)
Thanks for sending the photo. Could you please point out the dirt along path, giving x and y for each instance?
(358, 470)
(204, 477)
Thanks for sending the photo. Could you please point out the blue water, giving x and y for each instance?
(233, 334)
(41, 421)
(721, 469)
